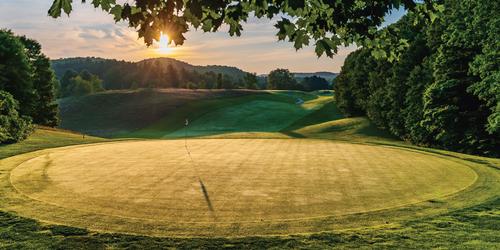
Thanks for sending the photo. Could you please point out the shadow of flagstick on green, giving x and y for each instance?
(202, 185)
(205, 194)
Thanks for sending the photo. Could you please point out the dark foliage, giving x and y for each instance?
(13, 127)
(78, 84)
(151, 73)
(26, 74)
(282, 79)
(312, 83)
(444, 90)
(329, 24)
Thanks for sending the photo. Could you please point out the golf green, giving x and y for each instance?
(156, 187)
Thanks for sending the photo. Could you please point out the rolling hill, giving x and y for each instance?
(120, 74)
(161, 113)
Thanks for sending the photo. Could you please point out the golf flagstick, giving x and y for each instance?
(202, 186)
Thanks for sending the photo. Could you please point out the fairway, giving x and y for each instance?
(153, 187)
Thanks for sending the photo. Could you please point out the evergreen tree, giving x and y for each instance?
(15, 71)
(45, 109)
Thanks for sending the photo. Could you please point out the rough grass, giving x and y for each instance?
(46, 138)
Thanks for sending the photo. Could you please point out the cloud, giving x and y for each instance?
(90, 32)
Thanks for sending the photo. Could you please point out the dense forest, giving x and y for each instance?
(152, 73)
(171, 73)
(27, 87)
(444, 89)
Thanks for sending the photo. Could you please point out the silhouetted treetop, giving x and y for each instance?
(328, 23)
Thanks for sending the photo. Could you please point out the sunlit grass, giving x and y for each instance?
(467, 219)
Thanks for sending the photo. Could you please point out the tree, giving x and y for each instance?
(15, 71)
(80, 84)
(45, 109)
(330, 24)
(13, 127)
(227, 82)
(312, 83)
(281, 79)
(250, 81)
(66, 81)
(173, 76)
(444, 89)
(219, 81)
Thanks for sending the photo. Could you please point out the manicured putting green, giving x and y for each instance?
(233, 180)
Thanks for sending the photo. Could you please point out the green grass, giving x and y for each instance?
(118, 113)
(265, 111)
(468, 219)
(46, 138)
(310, 185)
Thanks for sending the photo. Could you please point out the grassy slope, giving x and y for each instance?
(117, 113)
(46, 138)
(474, 226)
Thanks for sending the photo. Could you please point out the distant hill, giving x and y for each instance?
(95, 65)
(228, 70)
(156, 73)
(149, 72)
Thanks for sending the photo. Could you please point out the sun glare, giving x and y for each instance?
(163, 44)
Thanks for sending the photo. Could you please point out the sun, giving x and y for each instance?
(163, 47)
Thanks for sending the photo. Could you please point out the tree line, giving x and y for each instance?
(444, 90)
(112, 74)
(27, 88)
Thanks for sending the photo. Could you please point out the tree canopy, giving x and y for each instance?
(13, 127)
(25, 73)
(444, 91)
(329, 24)
(281, 79)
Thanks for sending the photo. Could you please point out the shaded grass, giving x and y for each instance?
(46, 138)
(347, 129)
(327, 112)
(117, 113)
(262, 111)
(474, 228)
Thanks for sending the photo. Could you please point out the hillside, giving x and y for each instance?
(125, 75)
(119, 112)
(161, 113)
(157, 73)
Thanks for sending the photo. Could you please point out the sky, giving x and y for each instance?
(91, 32)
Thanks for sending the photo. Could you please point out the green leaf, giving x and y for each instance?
(58, 5)
(320, 49)
(116, 11)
